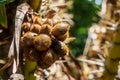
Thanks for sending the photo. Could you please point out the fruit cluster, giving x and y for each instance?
(43, 39)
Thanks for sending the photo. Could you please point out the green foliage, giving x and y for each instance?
(85, 13)
(2, 2)
(3, 17)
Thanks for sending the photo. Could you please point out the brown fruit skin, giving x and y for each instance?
(31, 54)
(46, 29)
(42, 64)
(47, 58)
(28, 38)
(36, 28)
(49, 22)
(26, 26)
(60, 28)
(63, 37)
(42, 42)
(38, 20)
(60, 48)
(55, 20)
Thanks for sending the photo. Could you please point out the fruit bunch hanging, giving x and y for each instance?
(43, 39)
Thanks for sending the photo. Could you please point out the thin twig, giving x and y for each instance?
(2, 61)
(92, 62)
(3, 43)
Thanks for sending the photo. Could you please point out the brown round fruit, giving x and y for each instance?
(63, 37)
(60, 48)
(47, 58)
(26, 26)
(31, 54)
(42, 64)
(55, 20)
(49, 22)
(35, 28)
(46, 29)
(38, 20)
(42, 42)
(28, 38)
(60, 28)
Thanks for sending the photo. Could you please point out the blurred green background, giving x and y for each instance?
(85, 13)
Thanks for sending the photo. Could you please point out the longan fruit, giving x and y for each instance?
(42, 42)
(60, 48)
(35, 28)
(28, 38)
(60, 28)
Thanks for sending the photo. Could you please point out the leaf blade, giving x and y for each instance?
(5, 1)
(3, 16)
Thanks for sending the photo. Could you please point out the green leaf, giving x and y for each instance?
(5, 1)
(82, 30)
(3, 16)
